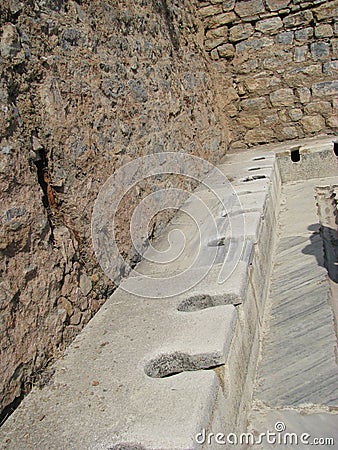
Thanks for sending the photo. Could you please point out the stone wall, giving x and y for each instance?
(279, 58)
(85, 87)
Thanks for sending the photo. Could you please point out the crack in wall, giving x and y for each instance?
(48, 198)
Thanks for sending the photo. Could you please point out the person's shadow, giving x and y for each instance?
(324, 246)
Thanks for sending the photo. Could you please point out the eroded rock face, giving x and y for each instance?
(85, 87)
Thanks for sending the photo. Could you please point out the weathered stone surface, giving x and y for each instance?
(262, 85)
(321, 107)
(230, 95)
(220, 19)
(295, 114)
(334, 45)
(254, 44)
(304, 35)
(323, 30)
(228, 5)
(331, 68)
(259, 135)
(254, 104)
(240, 32)
(65, 304)
(249, 121)
(301, 53)
(327, 10)
(332, 122)
(226, 51)
(269, 25)
(295, 20)
(210, 10)
(271, 119)
(85, 284)
(302, 75)
(276, 5)
(320, 50)
(325, 88)
(285, 38)
(282, 97)
(313, 124)
(217, 32)
(213, 43)
(289, 133)
(335, 28)
(249, 7)
(83, 92)
(10, 41)
(304, 94)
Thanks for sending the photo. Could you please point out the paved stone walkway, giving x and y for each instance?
(297, 381)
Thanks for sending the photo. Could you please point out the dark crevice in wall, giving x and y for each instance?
(48, 200)
(4, 415)
(162, 8)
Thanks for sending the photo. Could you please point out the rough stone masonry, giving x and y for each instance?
(281, 63)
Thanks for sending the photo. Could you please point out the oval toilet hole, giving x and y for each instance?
(199, 302)
(169, 364)
(253, 178)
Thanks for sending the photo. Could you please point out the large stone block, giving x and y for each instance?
(249, 8)
(327, 11)
(212, 43)
(334, 44)
(295, 114)
(301, 76)
(254, 44)
(285, 38)
(240, 32)
(321, 107)
(217, 32)
(220, 19)
(282, 97)
(254, 104)
(320, 50)
(228, 5)
(304, 94)
(312, 124)
(289, 133)
(261, 85)
(325, 88)
(276, 5)
(250, 121)
(323, 30)
(301, 53)
(259, 135)
(226, 51)
(269, 25)
(330, 68)
(298, 19)
(210, 10)
(304, 35)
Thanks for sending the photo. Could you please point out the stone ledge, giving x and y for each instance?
(101, 396)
